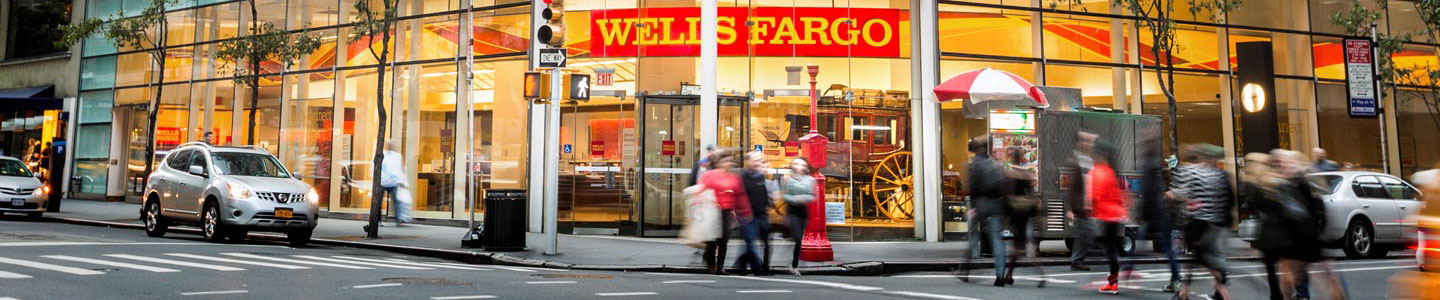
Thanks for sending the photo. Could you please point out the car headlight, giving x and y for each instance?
(41, 191)
(312, 196)
(238, 192)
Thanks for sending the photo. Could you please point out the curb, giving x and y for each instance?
(866, 268)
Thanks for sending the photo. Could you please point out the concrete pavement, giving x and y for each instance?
(588, 252)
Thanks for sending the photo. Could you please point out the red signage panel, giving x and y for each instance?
(667, 148)
(761, 31)
(597, 148)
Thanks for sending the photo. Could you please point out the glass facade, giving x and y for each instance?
(628, 150)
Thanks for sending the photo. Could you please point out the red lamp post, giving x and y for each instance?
(816, 244)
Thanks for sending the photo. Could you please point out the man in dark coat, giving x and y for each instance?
(987, 197)
(1077, 210)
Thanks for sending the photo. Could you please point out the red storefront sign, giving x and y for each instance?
(597, 148)
(168, 135)
(761, 31)
(667, 148)
(792, 149)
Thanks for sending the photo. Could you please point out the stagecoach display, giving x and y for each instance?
(869, 163)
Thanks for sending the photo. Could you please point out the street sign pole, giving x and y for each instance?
(552, 162)
(1379, 100)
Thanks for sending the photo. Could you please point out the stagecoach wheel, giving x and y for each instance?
(893, 187)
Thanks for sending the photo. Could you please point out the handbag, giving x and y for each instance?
(1249, 229)
(702, 217)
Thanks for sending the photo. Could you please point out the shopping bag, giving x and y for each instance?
(403, 197)
(702, 217)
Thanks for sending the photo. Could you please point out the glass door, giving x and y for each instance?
(670, 135)
(595, 195)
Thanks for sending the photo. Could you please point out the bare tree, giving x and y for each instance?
(368, 24)
(1158, 16)
(147, 30)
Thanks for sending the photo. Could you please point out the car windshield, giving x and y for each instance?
(248, 164)
(14, 168)
(1326, 184)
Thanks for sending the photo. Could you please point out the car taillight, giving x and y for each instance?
(1427, 250)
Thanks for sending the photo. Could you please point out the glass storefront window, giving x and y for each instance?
(959, 24)
(1418, 128)
(1294, 114)
(1085, 38)
(1354, 143)
(307, 136)
(267, 118)
(312, 13)
(97, 73)
(1197, 102)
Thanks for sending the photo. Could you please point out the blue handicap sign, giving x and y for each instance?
(568, 148)
(759, 148)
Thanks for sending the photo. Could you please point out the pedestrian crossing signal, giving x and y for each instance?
(536, 85)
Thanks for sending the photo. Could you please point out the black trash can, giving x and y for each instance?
(504, 220)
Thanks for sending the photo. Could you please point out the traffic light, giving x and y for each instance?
(537, 85)
(553, 32)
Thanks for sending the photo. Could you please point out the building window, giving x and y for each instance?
(35, 20)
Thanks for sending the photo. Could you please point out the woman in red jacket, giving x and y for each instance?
(1110, 207)
(724, 179)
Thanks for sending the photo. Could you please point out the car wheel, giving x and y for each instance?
(1127, 245)
(299, 238)
(211, 228)
(237, 235)
(1359, 240)
(155, 225)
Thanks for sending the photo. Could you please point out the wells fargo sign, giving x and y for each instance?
(761, 31)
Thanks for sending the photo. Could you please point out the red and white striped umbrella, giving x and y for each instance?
(988, 85)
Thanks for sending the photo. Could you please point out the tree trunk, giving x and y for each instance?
(1169, 88)
(254, 71)
(154, 108)
(378, 195)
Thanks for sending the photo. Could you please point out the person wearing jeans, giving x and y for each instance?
(987, 195)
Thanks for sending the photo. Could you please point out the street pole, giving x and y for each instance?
(552, 162)
(815, 246)
(467, 37)
(1379, 99)
(709, 52)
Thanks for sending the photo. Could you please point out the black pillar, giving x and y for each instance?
(1260, 120)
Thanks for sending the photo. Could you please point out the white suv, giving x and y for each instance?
(228, 191)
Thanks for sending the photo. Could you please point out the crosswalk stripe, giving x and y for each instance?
(293, 261)
(111, 263)
(361, 263)
(517, 269)
(412, 263)
(8, 298)
(457, 297)
(8, 275)
(175, 262)
(237, 261)
(626, 294)
(57, 268)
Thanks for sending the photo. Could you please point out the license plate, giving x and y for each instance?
(17, 202)
(284, 213)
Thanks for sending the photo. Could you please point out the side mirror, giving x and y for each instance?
(197, 170)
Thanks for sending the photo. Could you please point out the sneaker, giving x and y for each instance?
(1172, 287)
(1110, 288)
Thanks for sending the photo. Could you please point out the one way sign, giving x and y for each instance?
(553, 57)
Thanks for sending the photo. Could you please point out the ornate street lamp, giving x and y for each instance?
(816, 244)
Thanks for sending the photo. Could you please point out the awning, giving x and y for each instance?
(30, 98)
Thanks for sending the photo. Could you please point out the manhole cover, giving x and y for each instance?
(574, 276)
(426, 281)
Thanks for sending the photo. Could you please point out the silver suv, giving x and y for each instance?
(228, 191)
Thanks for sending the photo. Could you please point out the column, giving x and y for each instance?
(1227, 103)
(925, 74)
(709, 52)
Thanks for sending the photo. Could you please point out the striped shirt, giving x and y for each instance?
(1206, 191)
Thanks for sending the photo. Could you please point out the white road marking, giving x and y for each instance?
(237, 261)
(688, 281)
(1207, 277)
(8, 275)
(367, 286)
(57, 268)
(111, 263)
(669, 274)
(626, 294)
(285, 260)
(463, 297)
(550, 282)
(8, 298)
(214, 293)
(519, 269)
(361, 263)
(929, 295)
(812, 282)
(411, 263)
(51, 244)
(510, 268)
(1031, 278)
(763, 291)
(176, 262)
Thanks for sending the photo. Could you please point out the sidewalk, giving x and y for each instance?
(610, 252)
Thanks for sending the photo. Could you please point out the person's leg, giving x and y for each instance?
(751, 258)
(1110, 239)
(797, 233)
(1171, 245)
(1083, 234)
(765, 243)
(1270, 259)
(1302, 282)
(724, 241)
(997, 244)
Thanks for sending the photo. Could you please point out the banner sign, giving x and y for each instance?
(1360, 77)
(792, 149)
(168, 135)
(741, 31)
(597, 148)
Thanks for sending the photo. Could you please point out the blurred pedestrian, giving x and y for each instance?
(724, 180)
(1304, 217)
(987, 197)
(1158, 213)
(702, 164)
(1110, 207)
(1024, 204)
(1206, 191)
(1082, 229)
(1260, 192)
(208, 138)
(757, 255)
(1322, 162)
(392, 179)
(798, 191)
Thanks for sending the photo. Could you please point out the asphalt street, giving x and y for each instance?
(43, 260)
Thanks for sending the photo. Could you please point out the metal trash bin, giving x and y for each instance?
(504, 220)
